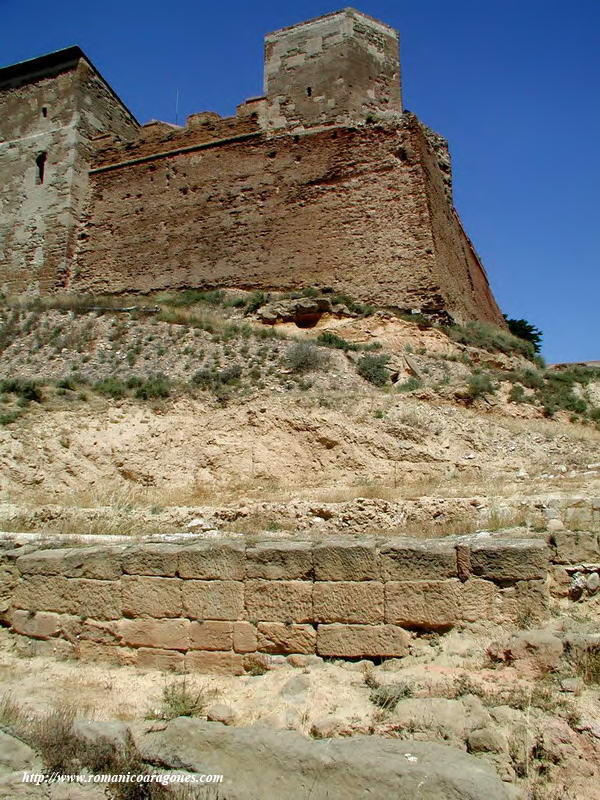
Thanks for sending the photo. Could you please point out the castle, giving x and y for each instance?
(324, 182)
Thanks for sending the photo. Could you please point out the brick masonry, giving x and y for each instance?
(322, 182)
(219, 605)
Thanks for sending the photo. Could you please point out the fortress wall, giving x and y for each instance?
(36, 221)
(223, 606)
(157, 137)
(55, 115)
(339, 207)
(463, 282)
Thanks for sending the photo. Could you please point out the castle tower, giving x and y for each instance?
(334, 69)
(50, 109)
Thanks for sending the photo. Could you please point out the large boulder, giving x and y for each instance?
(257, 762)
(538, 651)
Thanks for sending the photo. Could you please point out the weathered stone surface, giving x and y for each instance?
(431, 605)
(213, 599)
(39, 625)
(52, 648)
(524, 604)
(574, 547)
(339, 560)
(214, 662)
(412, 559)
(151, 597)
(9, 577)
(367, 641)
(80, 596)
(213, 560)
(279, 560)
(538, 649)
(348, 601)
(478, 600)
(279, 601)
(166, 660)
(510, 559)
(221, 712)
(244, 637)
(93, 651)
(487, 740)
(151, 559)
(405, 768)
(42, 593)
(77, 629)
(463, 561)
(277, 637)
(211, 635)
(15, 755)
(91, 598)
(168, 634)
(102, 563)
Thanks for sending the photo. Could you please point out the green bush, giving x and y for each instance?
(66, 383)
(155, 386)
(517, 394)
(9, 416)
(255, 301)
(409, 384)
(215, 380)
(329, 339)
(303, 357)
(479, 385)
(111, 387)
(373, 369)
(489, 337)
(27, 390)
(525, 330)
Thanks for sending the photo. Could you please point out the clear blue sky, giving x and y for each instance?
(512, 84)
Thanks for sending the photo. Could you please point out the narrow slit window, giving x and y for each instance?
(44, 111)
(309, 91)
(40, 163)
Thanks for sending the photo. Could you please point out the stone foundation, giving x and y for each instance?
(223, 606)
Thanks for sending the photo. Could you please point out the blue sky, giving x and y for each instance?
(512, 84)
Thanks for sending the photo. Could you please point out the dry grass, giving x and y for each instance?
(53, 737)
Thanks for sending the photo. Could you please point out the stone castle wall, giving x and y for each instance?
(224, 606)
(322, 182)
(364, 210)
(53, 117)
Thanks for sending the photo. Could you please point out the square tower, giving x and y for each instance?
(333, 69)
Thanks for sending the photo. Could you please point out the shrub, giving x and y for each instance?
(489, 337)
(8, 417)
(66, 383)
(329, 339)
(217, 381)
(179, 700)
(409, 384)
(305, 357)
(26, 390)
(525, 330)
(155, 386)
(111, 387)
(479, 385)
(388, 696)
(516, 394)
(373, 369)
(255, 301)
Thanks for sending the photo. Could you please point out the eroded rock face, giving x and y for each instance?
(537, 650)
(251, 761)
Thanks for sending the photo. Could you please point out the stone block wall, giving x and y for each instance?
(335, 68)
(223, 606)
(363, 210)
